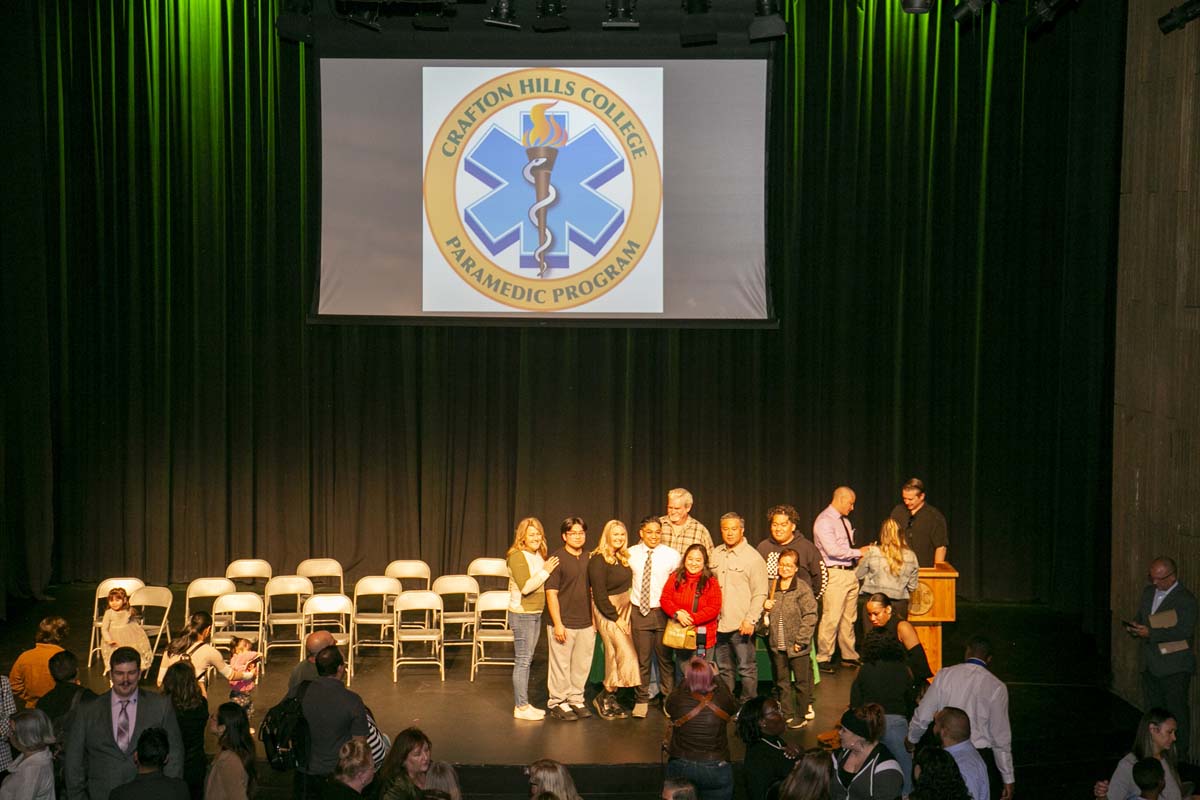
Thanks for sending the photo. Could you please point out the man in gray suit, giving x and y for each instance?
(106, 730)
(1166, 624)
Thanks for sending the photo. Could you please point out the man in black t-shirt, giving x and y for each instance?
(572, 639)
(922, 524)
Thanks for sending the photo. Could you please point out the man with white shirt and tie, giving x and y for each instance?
(1166, 626)
(652, 563)
(834, 538)
(105, 732)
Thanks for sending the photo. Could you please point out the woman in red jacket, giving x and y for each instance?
(693, 579)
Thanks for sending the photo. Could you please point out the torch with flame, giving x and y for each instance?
(542, 141)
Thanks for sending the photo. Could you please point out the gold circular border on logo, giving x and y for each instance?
(921, 601)
(445, 221)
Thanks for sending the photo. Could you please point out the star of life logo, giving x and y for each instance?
(543, 192)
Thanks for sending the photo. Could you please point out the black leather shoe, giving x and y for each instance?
(581, 712)
(564, 713)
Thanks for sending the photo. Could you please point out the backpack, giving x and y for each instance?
(284, 732)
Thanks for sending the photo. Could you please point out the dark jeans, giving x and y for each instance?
(795, 693)
(1171, 692)
(735, 646)
(713, 779)
(647, 641)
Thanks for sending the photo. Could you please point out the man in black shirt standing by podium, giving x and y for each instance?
(923, 525)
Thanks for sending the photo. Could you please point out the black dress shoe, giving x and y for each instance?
(563, 713)
(826, 667)
(581, 712)
(851, 662)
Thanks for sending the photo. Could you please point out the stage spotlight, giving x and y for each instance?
(431, 17)
(549, 17)
(621, 15)
(916, 6)
(767, 24)
(503, 14)
(967, 9)
(1179, 16)
(1043, 14)
(698, 27)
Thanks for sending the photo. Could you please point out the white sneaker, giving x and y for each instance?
(810, 714)
(529, 713)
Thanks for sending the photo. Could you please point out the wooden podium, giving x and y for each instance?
(930, 605)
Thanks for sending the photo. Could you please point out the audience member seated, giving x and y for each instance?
(60, 703)
(354, 772)
(8, 707)
(402, 776)
(192, 645)
(885, 678)
(442, 778)
(864, 768)
(30, 675)
(153, 748)
(231, 776)
(809, 779)
(191, 712)
(936, 776)
(1150, 778)
(1155, 738)
(769, 759)
(31, 776)
(550, 777)
(678, 789)
(700, 707)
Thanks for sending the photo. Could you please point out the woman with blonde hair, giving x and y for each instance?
(354, 772)
(547, 775)
(31, 776)
(528, 569)
(889, 567)
(611, 580)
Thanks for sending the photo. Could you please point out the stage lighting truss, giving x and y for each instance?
(698, 27)
(1179, 16)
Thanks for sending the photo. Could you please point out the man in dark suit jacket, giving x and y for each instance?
(105, 732)
(153, 749)
(1166, 624)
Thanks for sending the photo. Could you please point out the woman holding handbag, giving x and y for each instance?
(691, 599)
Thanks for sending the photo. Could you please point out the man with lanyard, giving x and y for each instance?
(984, 697)
(652, 563)
(834, 538)
(923, 525)
(680, 529)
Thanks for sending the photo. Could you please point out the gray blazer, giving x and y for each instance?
(94, 763)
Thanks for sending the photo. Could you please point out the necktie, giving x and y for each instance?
(123, 726)
(849, 531)
(645, 606)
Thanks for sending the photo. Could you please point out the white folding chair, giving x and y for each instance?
(420, 604)
(281, 612)
(245, 613)
(468, 587)
(249, 569)
(491, 607)
(409, 570)
(322, 568)
(205, 587)
(490, 569)
(100, 605)
(329, 610)
(157, 625)
(365, 590)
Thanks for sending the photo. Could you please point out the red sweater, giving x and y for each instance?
(707, 610)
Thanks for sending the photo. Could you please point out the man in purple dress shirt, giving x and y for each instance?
(834, 538)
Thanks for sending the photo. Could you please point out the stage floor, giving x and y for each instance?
(471, 724)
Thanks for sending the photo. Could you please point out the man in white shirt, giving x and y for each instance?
(984, 698)
(953, 727)
(652, 563)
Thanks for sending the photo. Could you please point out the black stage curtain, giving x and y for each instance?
(943, 209)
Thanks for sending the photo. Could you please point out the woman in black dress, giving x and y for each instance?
(191, 710)
(769, 759)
